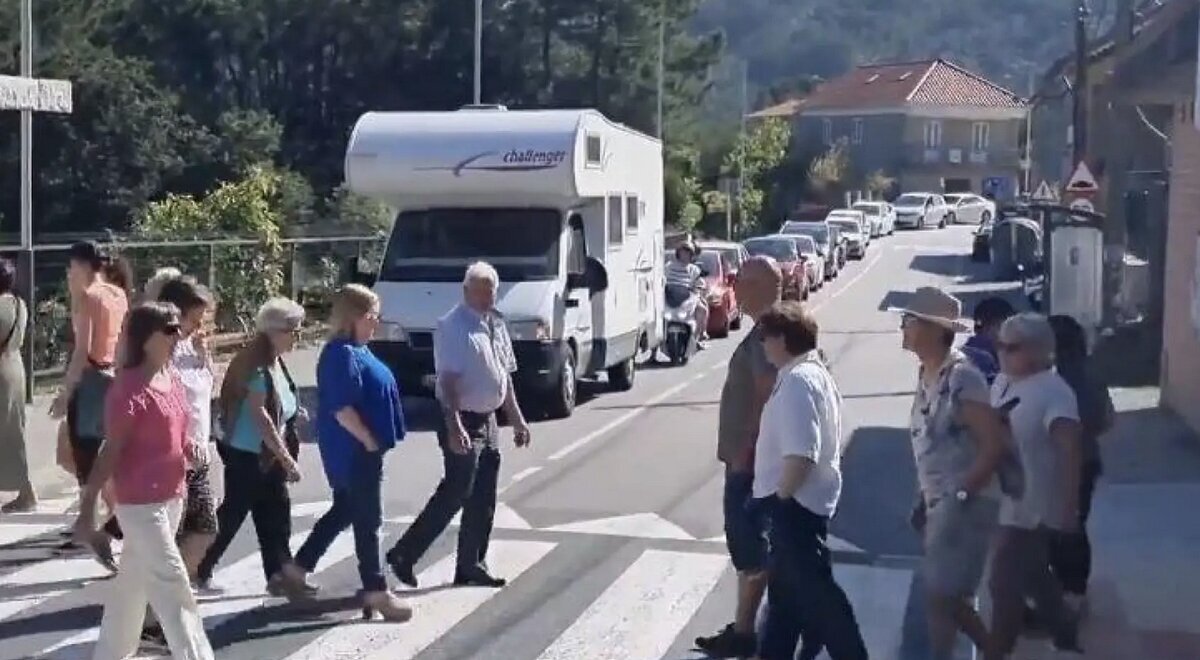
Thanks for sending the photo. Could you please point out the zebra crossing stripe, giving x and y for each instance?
(435, 612)
(51, 579)
(643, 611)
(17, 532)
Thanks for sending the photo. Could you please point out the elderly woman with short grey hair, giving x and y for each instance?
(259, 407)
(1043, 419)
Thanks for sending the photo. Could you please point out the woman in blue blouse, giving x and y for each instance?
(358, 420)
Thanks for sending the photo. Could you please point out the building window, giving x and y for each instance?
(827, 130)
(933, 134)
(980, 136)
(631, 214)
(857, 135)
(595, 151)
(616, 221)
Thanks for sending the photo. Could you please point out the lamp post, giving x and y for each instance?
(478, 52)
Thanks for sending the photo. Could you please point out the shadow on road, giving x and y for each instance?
(879, 487)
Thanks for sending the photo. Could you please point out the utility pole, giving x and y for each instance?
(478, 52)
(742, 135)
(1029, 134)
(26, 254)
(1079, 136)
(662, 66)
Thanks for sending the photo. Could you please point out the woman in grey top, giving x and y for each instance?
(14, 468)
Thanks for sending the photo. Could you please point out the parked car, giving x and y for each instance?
(971, 209)
(881, 216)
(814, 263)
(786, 253)
(826, 239)
(724, 315)
(854, 228)
(733, 253)
(920, 210)
(842, 249)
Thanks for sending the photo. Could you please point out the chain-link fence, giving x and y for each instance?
(241, 272)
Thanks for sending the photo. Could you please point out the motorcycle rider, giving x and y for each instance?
(684, 280)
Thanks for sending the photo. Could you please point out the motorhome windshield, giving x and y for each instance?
(437, 245)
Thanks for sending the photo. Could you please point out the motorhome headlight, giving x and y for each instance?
(529, 330)
(391, 331)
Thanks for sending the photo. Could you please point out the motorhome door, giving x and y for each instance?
(577, 317)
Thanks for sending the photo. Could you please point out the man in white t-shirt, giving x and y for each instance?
(1044, 421)
(797, 480)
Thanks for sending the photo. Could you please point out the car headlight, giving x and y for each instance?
(531, 330)
(391, 331)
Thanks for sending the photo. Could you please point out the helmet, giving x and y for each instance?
(689, 246)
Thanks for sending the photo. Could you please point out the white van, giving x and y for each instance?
(567, 205)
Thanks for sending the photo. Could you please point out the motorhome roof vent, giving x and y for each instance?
(484, 106)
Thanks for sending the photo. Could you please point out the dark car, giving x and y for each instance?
(828, 240)
(787, 254)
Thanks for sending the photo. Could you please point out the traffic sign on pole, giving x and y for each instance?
(1082, 181)
(1044, 192)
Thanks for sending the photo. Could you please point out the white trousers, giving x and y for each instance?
(151, 572)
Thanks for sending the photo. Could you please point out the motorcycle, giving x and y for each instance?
(679, 317)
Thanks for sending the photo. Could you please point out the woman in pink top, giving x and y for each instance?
(146, 454)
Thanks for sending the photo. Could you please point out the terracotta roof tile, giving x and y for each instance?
(926, 82)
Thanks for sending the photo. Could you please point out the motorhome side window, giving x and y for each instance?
(631, 214)
(616, 220)
(576, 247)
(595, 151)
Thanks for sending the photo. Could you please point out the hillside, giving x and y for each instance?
(788, 40)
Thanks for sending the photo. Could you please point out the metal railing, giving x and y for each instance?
(308, 267)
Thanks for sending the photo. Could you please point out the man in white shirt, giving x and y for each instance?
(1044, 419)
(797, 480)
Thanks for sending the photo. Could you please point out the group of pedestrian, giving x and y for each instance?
(1004, 436)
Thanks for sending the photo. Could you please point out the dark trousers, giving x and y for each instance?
(1071, 553)
(1020, 569)
(357, 505)
(249, 489)
(469, 485)
(805, 600)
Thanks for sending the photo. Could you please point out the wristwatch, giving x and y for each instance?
(962, 495)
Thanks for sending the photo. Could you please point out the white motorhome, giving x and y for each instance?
(567, 205)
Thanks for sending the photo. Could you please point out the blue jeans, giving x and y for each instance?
(358, 504)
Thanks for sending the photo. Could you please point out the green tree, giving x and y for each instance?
(827, 173)
(754, 157)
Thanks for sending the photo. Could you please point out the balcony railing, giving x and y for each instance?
(919, 155)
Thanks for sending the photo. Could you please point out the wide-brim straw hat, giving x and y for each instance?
(935, 306)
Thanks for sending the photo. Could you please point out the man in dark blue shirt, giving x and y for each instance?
(989, 315)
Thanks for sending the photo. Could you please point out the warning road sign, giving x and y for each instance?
(1044, 192)
(1083, 204)
(1082, 180)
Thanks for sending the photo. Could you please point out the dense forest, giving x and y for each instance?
(177, 97)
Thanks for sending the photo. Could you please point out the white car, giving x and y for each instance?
(814, 263)
(971, 209)
(880, 215)
(855, 229)
(920, 210)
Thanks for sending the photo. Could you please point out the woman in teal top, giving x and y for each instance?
(259, 407)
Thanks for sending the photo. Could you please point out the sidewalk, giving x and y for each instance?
(41, 432)
(1145, 534)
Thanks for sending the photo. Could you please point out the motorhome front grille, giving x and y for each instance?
(421, 341)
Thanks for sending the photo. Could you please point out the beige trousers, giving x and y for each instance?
(151, 571)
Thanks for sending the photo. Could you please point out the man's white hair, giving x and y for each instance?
(1034, 331)
(481, 271)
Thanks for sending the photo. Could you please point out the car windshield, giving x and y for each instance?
(709, 261)
(818, 231)
(869, 209)
(779, 249)
(846, 225)
(437, 245)
(954, 199)
(911, 200)
(806, 245)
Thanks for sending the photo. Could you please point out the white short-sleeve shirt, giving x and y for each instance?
(477, 347)
(1042, 399)
(803, 418)
(197, 377)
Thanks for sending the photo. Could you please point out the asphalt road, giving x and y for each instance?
(609, 527)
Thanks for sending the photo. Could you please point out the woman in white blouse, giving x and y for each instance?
(797, 482)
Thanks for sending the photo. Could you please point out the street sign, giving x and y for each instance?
(1082, 182)
(1083, 204)
(1044, 192)
(35, 94)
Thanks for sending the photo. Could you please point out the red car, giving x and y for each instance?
(724, 315)
(786, 253)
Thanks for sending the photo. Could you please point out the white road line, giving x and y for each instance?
(311, 508)
(518, 477)
(16, 532)
(55, 577)
(641, 614)
(637, 525)
(243, 588)
(622, 420)
(435, 611)
(857, 276)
